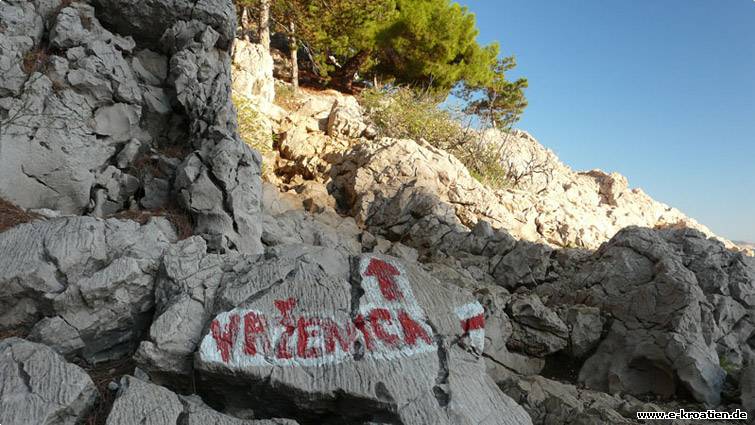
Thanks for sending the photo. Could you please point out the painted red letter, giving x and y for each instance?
(305, 332)
(285, 307)
(412, 329)
(255, 328)
(224, 339)
(376, 316)
(333, 334)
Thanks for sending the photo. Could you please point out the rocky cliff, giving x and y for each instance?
(149, 276)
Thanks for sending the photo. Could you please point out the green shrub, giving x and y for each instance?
(403, 113)
(727, 365)
(251, 128)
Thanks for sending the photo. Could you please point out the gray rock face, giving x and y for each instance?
(553, 403)
(401, 347)
(145, 403)
(37, 386)
(76, 119)
(139, 402)
(91, 280)
(146, 20)
(220, 182)
(498, 331)
(537, 330)
(421, 202)
(585, 329)
(185, 293)
(70, 111)
(678, 302)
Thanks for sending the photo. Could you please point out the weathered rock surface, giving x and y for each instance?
(220, 182)
(146, 20)
(145, 403)
(90, 280)
(184, 295)
(549, 203)
(537, 330)
(37, 386)
(554, 403)
(88, 120)
(585, 328)
(253, 73)
(393, 345)
(678, 303)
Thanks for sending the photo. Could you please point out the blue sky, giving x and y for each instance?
(662, 91)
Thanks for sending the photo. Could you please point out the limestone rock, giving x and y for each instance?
(253, 73)
(391, 337)
(553, 403)
(555, 206)
(220, 182)
(92, 280)
(585, 329)
(674, 296)
(145, 403)
(185, 292)
(37, 386)
(498, 330)
(346, 119)
(537, 330)
(146, 20)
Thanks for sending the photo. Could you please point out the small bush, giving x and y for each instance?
(251, 128)
(285, 97)
(727, 365)
(406, 114)
(34, 60)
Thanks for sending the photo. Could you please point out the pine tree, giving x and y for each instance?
(499, 102)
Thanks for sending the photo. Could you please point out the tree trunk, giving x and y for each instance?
(245, 24)
(344, 77)
(263, 26)
(294, 48)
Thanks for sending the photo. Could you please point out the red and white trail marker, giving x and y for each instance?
(388, 325)
(472, 320)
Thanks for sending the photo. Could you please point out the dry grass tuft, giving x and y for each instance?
(10, 333)
(11, 215)
(35, 60)
(178, 217)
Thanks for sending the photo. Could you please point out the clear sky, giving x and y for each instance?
(662, 91)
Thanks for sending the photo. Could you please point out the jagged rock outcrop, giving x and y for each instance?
(554, 403)
(92, 122)
(220, 182)
(83, 286)
(37, 386)
(253, 74)
(548, 202)
(385, 285)
(146, 20)
(681, 306)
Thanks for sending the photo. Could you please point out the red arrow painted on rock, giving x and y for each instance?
(385, 273)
